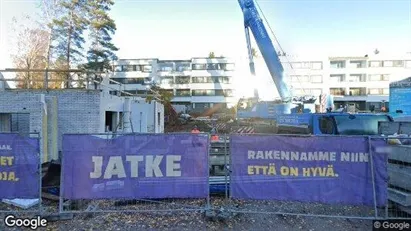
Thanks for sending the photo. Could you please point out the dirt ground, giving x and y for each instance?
(219, 219)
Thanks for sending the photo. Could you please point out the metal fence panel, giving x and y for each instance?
(20, 173)
(324, 176)
(399, 176)
(145, 172)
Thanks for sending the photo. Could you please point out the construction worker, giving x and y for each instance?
(195, 129)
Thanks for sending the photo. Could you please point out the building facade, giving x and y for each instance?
(201, 83)
(363, 81)
(198, 83)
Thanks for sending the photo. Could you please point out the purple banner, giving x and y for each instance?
(309, 169)
(135, 166)
(19, 167)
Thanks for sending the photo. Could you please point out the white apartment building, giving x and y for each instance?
(201, 83)
(198, 83)
(360, 80)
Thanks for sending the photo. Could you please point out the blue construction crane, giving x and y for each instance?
(253, 107)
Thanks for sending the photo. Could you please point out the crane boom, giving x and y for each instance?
(253, 22)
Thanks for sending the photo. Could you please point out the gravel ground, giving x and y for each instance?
(220, 219)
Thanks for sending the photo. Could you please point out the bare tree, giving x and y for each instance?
(31, 53)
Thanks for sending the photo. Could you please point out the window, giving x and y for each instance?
(202, 105)
(326, 125)
(158, 119)
(182, 66)
(379, 77)
(385, 91)
(357, 63)
(374, 91)
(129, 68)
(357, 78)
(118, 68)
(317, 65)
(358, 91)
(224, 79)
(337, 64)
(408, 63)
(212, 66)
(374, 77)
(300, 65)
(358, 125)
(398, 63)
(375, 64)
(305, 65)
(201, 79)
(203, 93)
(228, 93)
(300, 78)
(219, 92)
(165, 66)
(147, 68)
(129, 80)
(388, 63)
(316, 78)
(337, 78)
(199, 66)
(167, 80)
(183, 92)
(337, 91)
(182, 79)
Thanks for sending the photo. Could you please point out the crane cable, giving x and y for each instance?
(279, 45)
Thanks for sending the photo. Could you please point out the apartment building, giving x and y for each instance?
(198, 83)
(360, 80)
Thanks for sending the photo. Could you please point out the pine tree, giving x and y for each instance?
(101, 28)
(68, 31)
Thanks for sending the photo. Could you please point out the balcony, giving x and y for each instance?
(379, 77)
(359, 91)
(213, 67)
(358, 64)
(337, 91)
(338, 64)
(133, 68)
(337, 78)
(378, 91)
(183, 93)
(182, 80)
(357, 78)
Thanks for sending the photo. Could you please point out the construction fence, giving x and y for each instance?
(326, 176)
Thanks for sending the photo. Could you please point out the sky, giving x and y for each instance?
(181, 29)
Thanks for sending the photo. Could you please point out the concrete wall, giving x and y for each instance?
(20, 101)
(78, 111)
(139, 116)
(72, 111)
(145, 117)
(109, 103)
